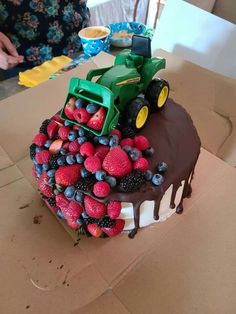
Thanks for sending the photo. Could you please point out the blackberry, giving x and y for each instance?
(106, 222)
(43, 128)
(128, 132)
(132, 182)
(85, 184)
(32, 151)
(53, 161)
(90, 220)
(52, 201)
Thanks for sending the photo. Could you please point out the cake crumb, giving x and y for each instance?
(50, 261)
(37, 219)
(27, 306)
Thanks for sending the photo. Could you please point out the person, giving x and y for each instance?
(34, 31)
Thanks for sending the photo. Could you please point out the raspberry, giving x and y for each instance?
(117, 132)
(141, 164)
(74, 147)
(63, 132)
(45, 189)
(101, 189)
(127, 142)
(141, 142)
(101, 151)
(114, 209)
(42, 157)
(52, 129)
(40, 139)
(87, 149)
(81, 115)
(93, 164)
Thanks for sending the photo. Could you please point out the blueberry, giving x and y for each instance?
(79, 158)
(72, 136)
(59, 214)
(100, 175)
(96, 139)
(149, 152)
(157, 179)
(92, 108)
(127, 148)
(61, 161)
(35, 161)
(80, 103)
(48, 143)
(63, 151)
(45, 167)
(162, 167)
(84, 173)
(111, 181)
(51, 173)
(38, 149)
(82, 139)
(134, 154)
(103, 140)
(79, 197)
(70, 159)
(67, 123)
(113, 140)
(148, 175)
(69, 191)
(81, 132)
(38, 169)
(79, 221)
(84, 215)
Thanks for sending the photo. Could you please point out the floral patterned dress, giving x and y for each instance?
(43, 29)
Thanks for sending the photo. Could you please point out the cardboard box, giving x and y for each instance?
(184, 265)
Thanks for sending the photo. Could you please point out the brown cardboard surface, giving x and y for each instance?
(184, 265)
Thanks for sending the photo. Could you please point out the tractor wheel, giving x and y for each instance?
(157, 94)
(137, 113)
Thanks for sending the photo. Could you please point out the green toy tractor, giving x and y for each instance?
(127, 89)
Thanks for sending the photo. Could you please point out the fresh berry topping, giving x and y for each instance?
(48, 143)
(92, 108)
(141, 164)
(93, 164)
(149, 152)
(79, 158)
(141, 142)
(96, 122)
(70, 159)
(114, 209)
(51, 173)
(73, 223)
(72, 136)
(106, 222)
(101, 151)
(62, 202)
(52, 129)
(148, 175)
(85, 184)
(132, 182)
(117, 163)
(94, 208)
(67, 123)
(81, 115)
(53, 161)
(101, 189)
(45, 189)
(61, 161)
(100, 175)
(42, 157)
(55, 146)
(74, 147)
(111, 181)
(81, 132)
(69, 108)
(66, 145)
(63, 132)
(82, 139)
(32, 151)
(162, 167)
(67, 175)
(80, 103)
(79, 197)
(103, 140)
(128, 132)
(69, 192)
(157, 179)
(43, 128)
(57, 117)
(113, 140)
(94, 230)
(59, 214)
(134, 154)
(89, 220)
(87, 149)
(51, 201)
(39, 170)
(40, 139)
(116, 229)
(84, 173)
(127, 142)
(127, 148)
(117, 132)
(75, 209)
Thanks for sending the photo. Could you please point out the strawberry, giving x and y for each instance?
(94, 230)
(52, 129)
(81, 115)
(74, 210)
(141, 142)
(117, 132)
(40, 139)
(73, 224)
(74, 146)
(96, 122)
(58, 118)
(67, 175)
(62, 202)
(69, 108)
(117, 163)
(87, 149)
(101, 189)
(55, 146)
(101, 151)
(127, 142)
(42, 157)
(116, 229)
(141, 164)
(63, 132)
(45, 189)
(93, 164)
(94, 208)
(114, 209)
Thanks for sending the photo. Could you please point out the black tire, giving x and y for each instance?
(133, 109)
(153, 92)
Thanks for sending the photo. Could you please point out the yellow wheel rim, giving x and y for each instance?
(162, 96)
(142, 117)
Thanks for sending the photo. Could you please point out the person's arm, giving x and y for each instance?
(9, 56)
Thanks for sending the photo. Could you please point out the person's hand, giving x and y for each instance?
(9, 56)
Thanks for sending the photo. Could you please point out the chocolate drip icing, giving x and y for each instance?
(173, 194)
